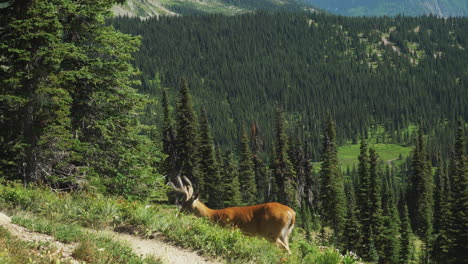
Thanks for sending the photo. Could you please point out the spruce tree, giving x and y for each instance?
(230, 181)
(458, 232)
(246, 171)
(283, 170)
(70, 112)
(375, 202)
(352, 227)
(406, 233)
(391, 226)
(188, 138)
(363, 184)
(363, 195)
(168, 137)
(260, 169)
(442, 213)
(420, 194)
(331, 182)
(208, 167)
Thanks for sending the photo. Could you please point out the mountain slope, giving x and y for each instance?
(442, 8)
(362, 70)
(148, 8)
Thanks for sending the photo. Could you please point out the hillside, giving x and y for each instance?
(441, 8)
(362, 70)
(148, 8)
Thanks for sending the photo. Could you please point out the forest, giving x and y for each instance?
(252, 108)
(243, 67)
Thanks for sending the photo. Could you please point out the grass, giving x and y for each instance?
(91, 248)
(65, 215)
(391, 153)
(13, 250)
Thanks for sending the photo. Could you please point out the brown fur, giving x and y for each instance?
(272, 221)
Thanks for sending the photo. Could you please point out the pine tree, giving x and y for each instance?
(246, 171)
(458, 232)
(72, 111)
(283, 170)
(208, 167)
(332, 194)
(441, 213)
(406, 233)
(420, 194)
(363, 187)
(188, 138)
(168, 137)
(375, 201)
(363, 195)
(260, 169)
(230, 179)
(391, 226)
(352, 227)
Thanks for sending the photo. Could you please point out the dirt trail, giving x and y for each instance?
(143, 247)
(64, 251)
(157, 247)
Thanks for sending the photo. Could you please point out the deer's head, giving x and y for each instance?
(188, 198)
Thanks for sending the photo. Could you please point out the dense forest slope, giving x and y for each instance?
(442, 8)
(148, 8)
(362, 71)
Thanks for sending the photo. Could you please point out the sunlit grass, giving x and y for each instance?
(65, 215)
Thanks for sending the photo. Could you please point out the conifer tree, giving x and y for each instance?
(67, 99)
(442, 213)
(208, 166)
(283, 169)
(332, 194)
(352, 226)
(168, 136)
(406, 233)
(222, 180)
(230, 180)
(420, 194)
(458, 232)
(363, 187)
(375, 201)
(188, 138)
(363, 195)
(391, 226)
(246, 171)
(260, 169)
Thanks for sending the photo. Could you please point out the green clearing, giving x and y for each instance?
(389, 153)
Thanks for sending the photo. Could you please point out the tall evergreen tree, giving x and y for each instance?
(208, 166)
(216, 195)
(352, 229)
(420, 194)
(441, 213)
(363, 187)
(406, 233)
(246, 171)
(230, 180)
(458, 232)
(331, 182)
(260, 169)
(283, 169)
(67, 102)
(375, 201)
(188, 138)
(363, 195)
(391, 226)
(168, 137)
